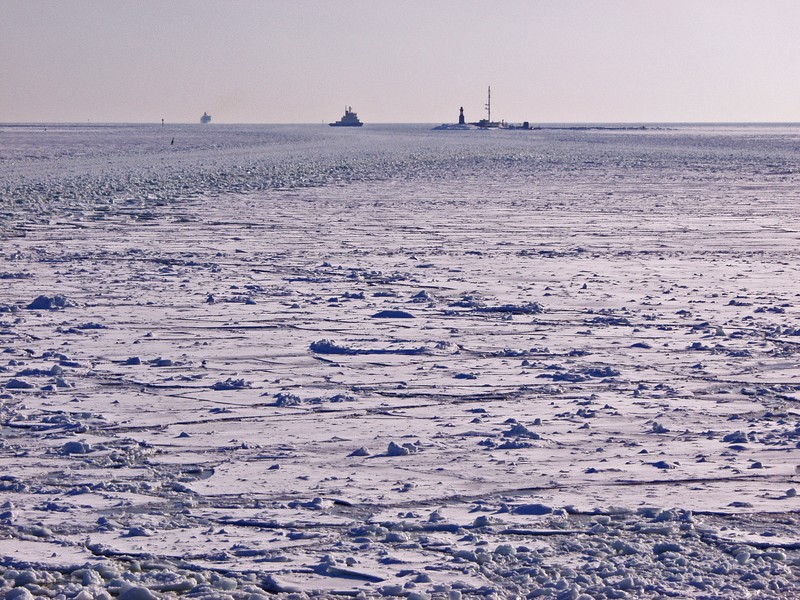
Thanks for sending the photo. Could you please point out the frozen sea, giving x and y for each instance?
(248, 361)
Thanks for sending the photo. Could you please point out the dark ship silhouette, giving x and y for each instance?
(350, 119)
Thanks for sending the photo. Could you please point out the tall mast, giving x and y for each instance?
(489, 105)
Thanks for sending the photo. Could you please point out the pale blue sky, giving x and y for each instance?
(301, 61)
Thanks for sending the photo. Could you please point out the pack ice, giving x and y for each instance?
(286, 361)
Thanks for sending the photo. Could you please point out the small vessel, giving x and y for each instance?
(350, 119)
(206, 118)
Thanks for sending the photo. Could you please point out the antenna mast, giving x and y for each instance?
(489, 105)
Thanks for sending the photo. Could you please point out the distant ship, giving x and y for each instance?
(350, 119)
(206, 118)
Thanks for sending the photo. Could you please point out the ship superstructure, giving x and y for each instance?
(350, 119)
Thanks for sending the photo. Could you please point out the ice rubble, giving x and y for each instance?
(595, 397)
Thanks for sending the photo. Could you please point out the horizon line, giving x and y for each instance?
(533, 123)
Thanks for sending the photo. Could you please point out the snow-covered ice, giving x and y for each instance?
(399, 362)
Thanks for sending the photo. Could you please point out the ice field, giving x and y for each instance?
(395, 362)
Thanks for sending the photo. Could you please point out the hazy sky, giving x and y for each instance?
(302, 61)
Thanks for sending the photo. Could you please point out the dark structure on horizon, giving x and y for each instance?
(350, 119)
